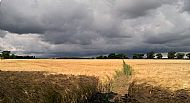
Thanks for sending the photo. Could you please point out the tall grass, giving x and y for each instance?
(106, 85)
(126, 70)
(122, 79)
(123, 74)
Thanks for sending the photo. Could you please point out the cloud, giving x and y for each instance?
(89, 27)
(167, 26)
(25, 43)
(138, 8)
(186, 6)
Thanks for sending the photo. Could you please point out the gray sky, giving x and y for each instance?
(93, 27)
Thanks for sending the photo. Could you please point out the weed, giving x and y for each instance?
(127, 69)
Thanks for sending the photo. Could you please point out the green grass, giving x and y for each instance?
(126, 70)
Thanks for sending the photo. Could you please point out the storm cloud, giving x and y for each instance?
(90, 27)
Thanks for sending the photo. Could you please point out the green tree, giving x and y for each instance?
(180, 55)
(112, 56)
(150, 55)
(159, 56)
(138, 56)
(121, 56)
(13, 56)
(171, 55)
(1, 57)
(135, 56)
(100, 57)
(188, 55)
(6, 54)
(105, 57)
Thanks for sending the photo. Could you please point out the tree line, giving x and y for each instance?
(9, 55)
(149, 55)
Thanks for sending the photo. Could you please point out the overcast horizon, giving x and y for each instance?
(55, 28)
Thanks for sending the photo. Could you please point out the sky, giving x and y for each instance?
(54, 28)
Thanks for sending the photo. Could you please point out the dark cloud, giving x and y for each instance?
(67, 17)
(90, 27)
(72, 37)
(166, 39)
(138, 8)
(186, 6)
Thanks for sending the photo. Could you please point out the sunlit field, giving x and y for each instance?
(173, 74)
(153, 80)
(99, 68)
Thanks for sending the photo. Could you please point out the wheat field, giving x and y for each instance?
(99, 68)
(171, 74)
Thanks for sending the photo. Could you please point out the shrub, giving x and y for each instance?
(127, 69)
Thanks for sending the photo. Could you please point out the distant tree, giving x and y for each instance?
(171, 55)
(93, 58)
(6, 54)
(135, 56)
(12, 56)
(1, 57)
(141, 56)
(180, 55)
(188, 55)
(25, 57)
(112, 56)
(159, 56)
(138, 56)
(100, 57)
(121, 56)
(105, 57)
(150, 55)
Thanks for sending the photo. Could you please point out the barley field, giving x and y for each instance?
(172, 74)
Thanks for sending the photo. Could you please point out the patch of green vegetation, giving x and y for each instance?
(122, 79)
(126, 70)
